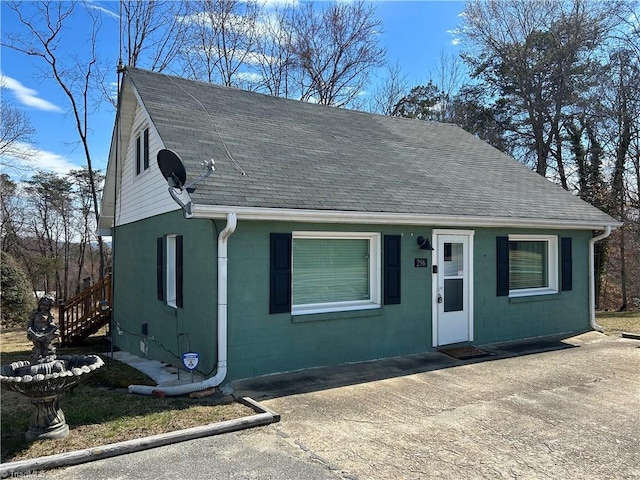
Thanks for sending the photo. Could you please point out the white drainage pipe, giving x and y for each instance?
(221, 372)
(592, 279)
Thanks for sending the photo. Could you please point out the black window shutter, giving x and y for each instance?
(179, 275)
(137, 155)
(567, 267)
(280, 273)
(160, 267)
(146, 148)
(502, 256)
(392, 269)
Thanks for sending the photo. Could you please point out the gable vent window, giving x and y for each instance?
(142, 151)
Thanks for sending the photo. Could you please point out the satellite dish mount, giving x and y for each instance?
(175, 174)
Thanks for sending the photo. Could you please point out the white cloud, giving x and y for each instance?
(27, 96)
(24, 155)
(267, 26)
(106, 11)
(253, 58)
(455, 33)
(633, 21)
(250, 58)
(249, 77)
(279, 3)
(113, 92)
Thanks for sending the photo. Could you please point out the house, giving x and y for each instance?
(327, 236)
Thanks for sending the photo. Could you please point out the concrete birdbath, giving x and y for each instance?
(46, 377)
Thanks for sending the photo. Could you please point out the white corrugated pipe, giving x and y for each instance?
(221, 372)
(592, 279)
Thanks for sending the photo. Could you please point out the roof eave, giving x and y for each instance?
(336, 216)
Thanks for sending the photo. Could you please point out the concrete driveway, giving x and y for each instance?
(565, 413)
(544, 409)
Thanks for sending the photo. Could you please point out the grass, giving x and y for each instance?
(614, 323)
(100, 410)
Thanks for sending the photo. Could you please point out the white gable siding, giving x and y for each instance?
(144, 195)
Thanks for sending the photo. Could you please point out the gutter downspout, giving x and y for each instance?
(221, 372)
(592, 279)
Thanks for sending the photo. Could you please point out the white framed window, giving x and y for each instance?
(533, 265)
(171, 262)
(335, 271)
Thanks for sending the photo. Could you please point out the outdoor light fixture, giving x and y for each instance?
(424, 243)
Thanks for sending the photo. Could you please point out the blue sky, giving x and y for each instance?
(414, 34)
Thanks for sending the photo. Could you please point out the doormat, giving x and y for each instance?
(465, 353)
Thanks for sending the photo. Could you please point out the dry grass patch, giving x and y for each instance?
(100, 410)
(614, 323)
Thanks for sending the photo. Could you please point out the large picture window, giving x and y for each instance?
(335, 271)
(533, 264)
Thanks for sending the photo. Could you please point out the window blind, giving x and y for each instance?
(330, 270)
(528, 264)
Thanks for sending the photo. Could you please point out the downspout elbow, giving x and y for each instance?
(232, 222)
(592, 281)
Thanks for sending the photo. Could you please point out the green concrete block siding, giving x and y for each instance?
(501, 319)
(135, 300)
(260, 343)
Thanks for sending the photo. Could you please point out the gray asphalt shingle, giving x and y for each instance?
(299, 155)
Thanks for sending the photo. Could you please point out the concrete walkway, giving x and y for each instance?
(162, 373)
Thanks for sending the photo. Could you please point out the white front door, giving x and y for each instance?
(453, 286)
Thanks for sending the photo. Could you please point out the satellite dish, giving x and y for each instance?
(172, 168)
(175, 174)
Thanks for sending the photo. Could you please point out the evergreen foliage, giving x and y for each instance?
(16, 294)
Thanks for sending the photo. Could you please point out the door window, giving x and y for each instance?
(453, 277)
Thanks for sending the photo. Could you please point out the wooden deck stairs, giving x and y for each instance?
(86, 313)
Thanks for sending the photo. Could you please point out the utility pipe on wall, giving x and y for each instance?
(592, 279)
(221, 372)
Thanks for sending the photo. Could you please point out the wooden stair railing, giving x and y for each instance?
(86, 313)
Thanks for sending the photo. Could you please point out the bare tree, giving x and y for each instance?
(392, 87)
(50, 226)
(625, 111)
(153, 32)
(448, 74)
(15, 129)
(16, 132)
(322, 55)
(45, 25)
(277, 66)
(336, 49)
(84, 225)
(221, 40)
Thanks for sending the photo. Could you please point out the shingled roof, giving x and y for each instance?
(277, 153)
